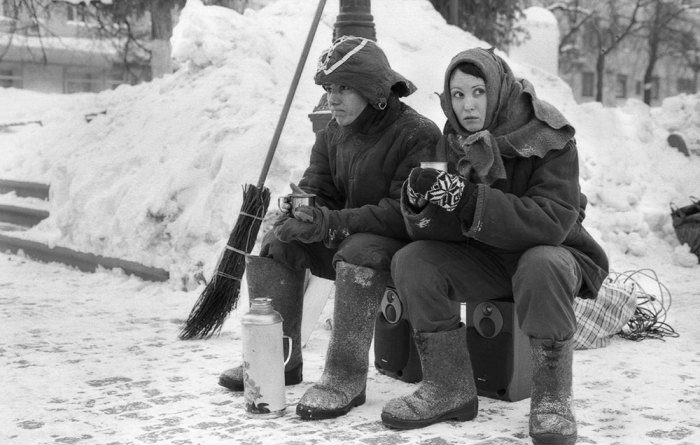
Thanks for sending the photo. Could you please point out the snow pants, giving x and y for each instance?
(360, 249)
(433, 277)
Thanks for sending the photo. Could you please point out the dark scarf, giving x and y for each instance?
(517, 123)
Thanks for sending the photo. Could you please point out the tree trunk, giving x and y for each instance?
(161, 31)
(653, 54)
(648, 75)
(600, 73)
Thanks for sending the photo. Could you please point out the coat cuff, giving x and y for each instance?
(467, 204)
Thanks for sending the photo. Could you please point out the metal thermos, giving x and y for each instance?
(263, 360)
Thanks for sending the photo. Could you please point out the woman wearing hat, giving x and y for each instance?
(504, 221)
(361, 158)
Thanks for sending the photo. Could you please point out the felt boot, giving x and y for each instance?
(551, 414)
(342, 384)
(447, 391)
(269, 279)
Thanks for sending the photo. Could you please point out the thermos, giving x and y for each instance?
(263, 360)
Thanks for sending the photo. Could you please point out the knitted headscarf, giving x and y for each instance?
(359, 63)
(517, 123)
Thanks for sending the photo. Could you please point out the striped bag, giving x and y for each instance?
(600, 318)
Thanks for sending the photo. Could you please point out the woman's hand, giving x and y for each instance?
(309, 225)
(436, 186)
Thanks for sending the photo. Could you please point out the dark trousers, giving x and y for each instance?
(360, 249)
(433, 277)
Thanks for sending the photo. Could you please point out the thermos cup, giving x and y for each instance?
(295, 200)
(437, 165)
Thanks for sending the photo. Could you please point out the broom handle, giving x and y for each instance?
(290, 94)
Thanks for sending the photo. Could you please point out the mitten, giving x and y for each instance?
(269, 236)
(438, 187)
(309, 225)
(482, 159)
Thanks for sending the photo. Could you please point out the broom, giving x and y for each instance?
(220, 294)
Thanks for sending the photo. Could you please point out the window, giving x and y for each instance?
(654, 87)
(32, 29)
(638, 88)
(10, 78)
(77, 80)
(621, 86)
(5, 8)
(117, 76)
(684, 85)
(587, 84)
(75, 13)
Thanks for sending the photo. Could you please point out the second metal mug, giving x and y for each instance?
(295, 200)
(437, 165)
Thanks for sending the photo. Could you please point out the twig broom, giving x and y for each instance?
(220, 294)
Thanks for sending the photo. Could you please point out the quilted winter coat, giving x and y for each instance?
(356, 166)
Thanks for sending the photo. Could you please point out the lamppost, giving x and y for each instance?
(354, 19)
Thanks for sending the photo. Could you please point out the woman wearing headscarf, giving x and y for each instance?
(362, 156)
(503, 221)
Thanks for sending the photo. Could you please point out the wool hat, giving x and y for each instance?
(360, 64)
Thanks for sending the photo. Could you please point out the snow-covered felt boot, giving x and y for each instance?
(447, 391)
(269, 279)
(552, 419)
(358, 291)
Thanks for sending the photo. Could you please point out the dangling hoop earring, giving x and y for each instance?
(381, 105)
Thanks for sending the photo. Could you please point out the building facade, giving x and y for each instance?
(626, 63)
(57, 50)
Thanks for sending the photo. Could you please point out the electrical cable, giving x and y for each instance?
(649, 318)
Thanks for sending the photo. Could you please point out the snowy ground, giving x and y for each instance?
(95, 359)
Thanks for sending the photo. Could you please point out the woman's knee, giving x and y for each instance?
(411, 265)
(546, 262)
(291, 254)
(544, 286)
(368, 250)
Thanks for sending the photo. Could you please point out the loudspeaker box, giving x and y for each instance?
(395, 353)
(500, 352)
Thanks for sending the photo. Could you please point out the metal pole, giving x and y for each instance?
(355, 19)
(290, 94)
(454, 12)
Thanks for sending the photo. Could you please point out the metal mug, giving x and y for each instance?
(437, 165)
(295, 200)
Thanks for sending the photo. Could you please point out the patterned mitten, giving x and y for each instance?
(439, 187)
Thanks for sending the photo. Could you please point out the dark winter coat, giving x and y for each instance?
(539, 203)
(529, 194)
(356, 166)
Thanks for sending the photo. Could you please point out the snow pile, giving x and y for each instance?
(681, 114)
(158, 177)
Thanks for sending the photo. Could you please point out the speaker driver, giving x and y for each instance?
(487, 319)
(391, 306)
